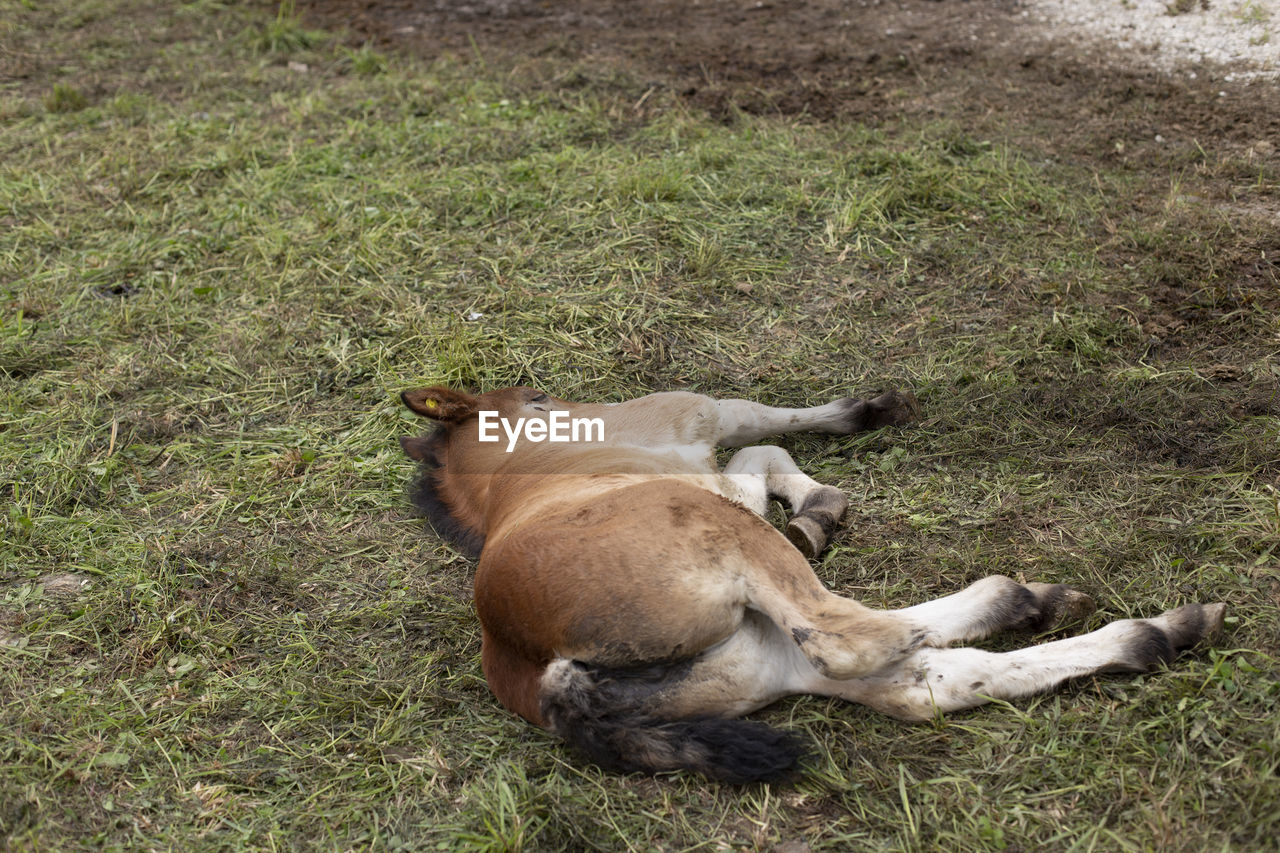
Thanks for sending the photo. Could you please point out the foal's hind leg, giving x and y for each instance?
(935, 680)
(817, 509)
(843, 639)
(994, 604)
(744, 422)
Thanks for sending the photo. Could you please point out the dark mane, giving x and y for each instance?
(424, 493)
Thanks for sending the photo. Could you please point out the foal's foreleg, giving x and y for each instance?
(744, 422)
(761, 471)
(933, 680)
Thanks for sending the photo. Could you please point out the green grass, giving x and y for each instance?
(218, 270)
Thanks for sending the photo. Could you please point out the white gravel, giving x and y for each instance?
(1239, 39)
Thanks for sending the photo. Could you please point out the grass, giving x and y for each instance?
(221, 263)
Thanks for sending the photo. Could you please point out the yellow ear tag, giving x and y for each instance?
(429, 403)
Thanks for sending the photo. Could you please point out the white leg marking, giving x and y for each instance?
(743, 422)
(971, 614)
(772, 469)
(933, 680)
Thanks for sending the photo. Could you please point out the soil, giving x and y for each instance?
(991, 68)
(987, 64)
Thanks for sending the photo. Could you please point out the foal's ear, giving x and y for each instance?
(441, 404)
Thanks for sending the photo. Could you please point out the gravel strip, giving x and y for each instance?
(1239, 37)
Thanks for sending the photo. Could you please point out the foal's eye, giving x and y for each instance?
(538, 399)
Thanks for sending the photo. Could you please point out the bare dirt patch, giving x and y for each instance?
(988, 63)
(1004, 70)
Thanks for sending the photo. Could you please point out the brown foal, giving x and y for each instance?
(634, 600)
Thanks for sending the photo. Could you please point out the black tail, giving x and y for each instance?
(599, 713)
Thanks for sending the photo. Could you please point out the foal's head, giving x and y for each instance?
(458, 412)
(453, 487)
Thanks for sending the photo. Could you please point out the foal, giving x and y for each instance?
(633, 599)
